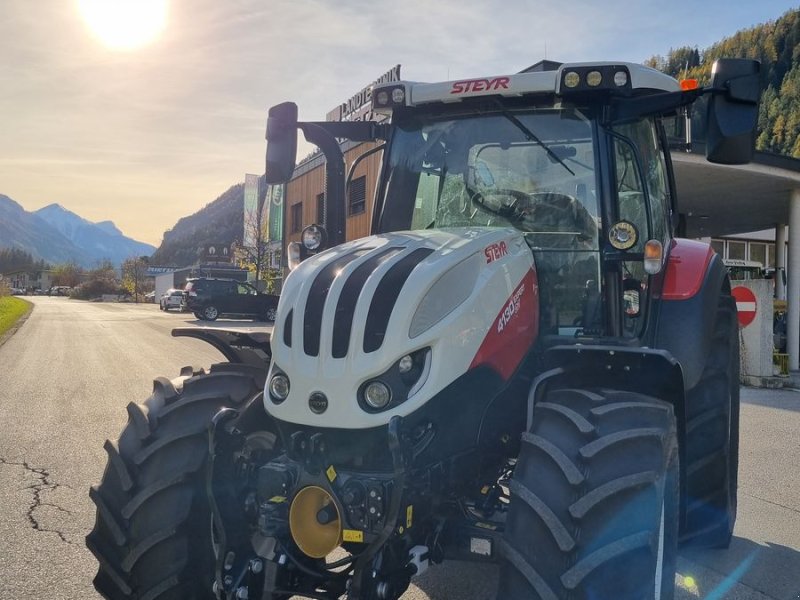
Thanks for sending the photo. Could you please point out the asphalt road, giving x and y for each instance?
(69, 372)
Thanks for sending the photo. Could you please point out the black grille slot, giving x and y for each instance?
(346, 307)
(287, 329)
(386, 296)
(312, 319)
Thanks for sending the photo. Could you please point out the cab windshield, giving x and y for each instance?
(533, 170)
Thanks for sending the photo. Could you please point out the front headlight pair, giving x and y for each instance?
(392, 387)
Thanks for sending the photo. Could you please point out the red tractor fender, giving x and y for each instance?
(687, 264)
(694, 279)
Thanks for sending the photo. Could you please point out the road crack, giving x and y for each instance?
(44, 484)
(770, 502)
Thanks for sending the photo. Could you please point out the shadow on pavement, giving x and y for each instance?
(783, 399)
(745, 571)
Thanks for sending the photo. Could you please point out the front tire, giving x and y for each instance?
(271, 314)
(152, 535)
(210, 312)
(594, 500)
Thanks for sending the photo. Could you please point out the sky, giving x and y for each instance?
(146, 135)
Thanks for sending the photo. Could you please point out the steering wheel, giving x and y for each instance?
(510, 211)
(555, 212)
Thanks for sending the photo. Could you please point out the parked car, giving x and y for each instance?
(59, 290)
(211, 298)
(150, 297)
(172, 299)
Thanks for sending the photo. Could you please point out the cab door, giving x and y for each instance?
(643, 200)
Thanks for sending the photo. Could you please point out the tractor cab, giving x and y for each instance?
(575, 160)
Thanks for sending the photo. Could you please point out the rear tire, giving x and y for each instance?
(210, 312)
(594, 500)
(712, 437)
(271, 314)
(152, 535)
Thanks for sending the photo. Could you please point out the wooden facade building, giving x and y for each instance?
(306, 191)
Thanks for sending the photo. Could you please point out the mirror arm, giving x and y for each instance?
(357, 131)
(335, 220)
(614, 255)
(627, 109)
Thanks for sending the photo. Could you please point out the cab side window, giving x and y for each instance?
(644, 136)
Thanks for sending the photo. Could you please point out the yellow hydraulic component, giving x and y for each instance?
(315, 522)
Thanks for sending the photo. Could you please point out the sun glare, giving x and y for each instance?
(124, 24)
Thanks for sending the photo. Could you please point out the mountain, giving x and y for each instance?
(57, 235)
(28, 232)
(219, 222)
(100, 240)
(109, 227)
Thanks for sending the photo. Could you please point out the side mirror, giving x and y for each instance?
(733, 111)
(281, 143)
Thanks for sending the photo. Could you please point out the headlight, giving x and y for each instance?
(594, 78)
(279, 387)
(405, 364)
(398, 383)
(313, 238)
(572, 79)
(377, 394)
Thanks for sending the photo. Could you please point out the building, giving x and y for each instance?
(30, 280)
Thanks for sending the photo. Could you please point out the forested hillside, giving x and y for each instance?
(219, 222)
(14, 259)
(777, 45)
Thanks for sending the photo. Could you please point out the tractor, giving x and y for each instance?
(522, 365)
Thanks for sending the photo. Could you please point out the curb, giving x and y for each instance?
(20, 322)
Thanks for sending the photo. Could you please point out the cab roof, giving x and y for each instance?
(639, 79)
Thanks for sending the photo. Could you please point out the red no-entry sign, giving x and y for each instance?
(745, 304)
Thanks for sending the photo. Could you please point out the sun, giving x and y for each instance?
(124, 24)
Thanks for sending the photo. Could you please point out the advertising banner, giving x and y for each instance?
(275, 202)
(250, 211)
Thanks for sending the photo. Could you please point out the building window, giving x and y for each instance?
(771, 254)
(719, 247)
(357, 202)
(320, 209)
(736, 250)
(297, 217)
(758, 253)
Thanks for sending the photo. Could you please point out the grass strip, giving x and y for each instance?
(11, 310)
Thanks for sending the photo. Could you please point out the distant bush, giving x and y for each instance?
(94, 288)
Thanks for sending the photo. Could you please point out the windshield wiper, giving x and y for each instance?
(532, 137)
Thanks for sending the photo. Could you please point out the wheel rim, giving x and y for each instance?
(271, 314)
(660, 558)
(210, 312)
